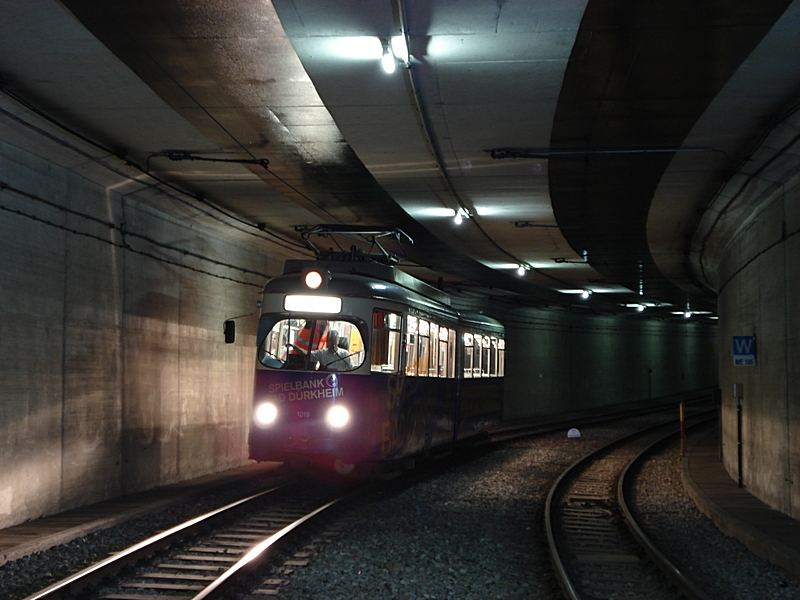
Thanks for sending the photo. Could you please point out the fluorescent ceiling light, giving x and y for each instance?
(364, 47)
(433, 211)
(489, 211)
(493, 265)
(645, 304)
(399, 48)
(606, 289)
(610, 288)
(313, 304)
(566, 266)
(440, 46)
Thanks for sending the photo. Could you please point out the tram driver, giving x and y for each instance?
(331, 358)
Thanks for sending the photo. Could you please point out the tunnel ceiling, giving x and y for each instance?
(567, 133)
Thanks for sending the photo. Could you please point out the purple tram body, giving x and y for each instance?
(361, 366)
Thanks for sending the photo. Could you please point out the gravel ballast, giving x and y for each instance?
(475, 532)
(721, 565)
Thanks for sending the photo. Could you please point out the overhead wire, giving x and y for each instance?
(126, 247)
(433, 145)
(5, 186)
(281, 241)
(246, 150)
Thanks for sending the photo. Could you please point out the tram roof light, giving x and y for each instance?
(313, 279)
(316, 278)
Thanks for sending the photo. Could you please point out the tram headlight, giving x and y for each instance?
(337, 416)
(265, 414)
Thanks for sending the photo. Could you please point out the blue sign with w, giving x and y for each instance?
(744, 350)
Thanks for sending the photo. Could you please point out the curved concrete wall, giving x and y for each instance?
(759, 278)
(114, 376)
(559, 361)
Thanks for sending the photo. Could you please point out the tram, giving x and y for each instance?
(362, 367)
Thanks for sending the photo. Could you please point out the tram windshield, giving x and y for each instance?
(312, 345)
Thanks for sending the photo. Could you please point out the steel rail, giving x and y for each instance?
(678, 577)
(220, 585)
(531, 427)
(564, 579)
(70, 586)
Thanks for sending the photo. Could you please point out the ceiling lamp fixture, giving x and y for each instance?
(388, 60)
(640, 308)
(688, 313)
(400, 49)
(585, 294)
(461, 214)
(521, 270)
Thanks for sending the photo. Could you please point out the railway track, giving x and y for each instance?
(206, 556)
(209, 555)
(597, 548)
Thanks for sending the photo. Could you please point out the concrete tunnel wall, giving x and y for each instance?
(760, 295)
(113, 373)
(561, 361)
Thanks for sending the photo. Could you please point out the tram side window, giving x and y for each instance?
(411, 345)
(385, 342)
(501, 358)
(443, 354)
(424, 348)
(451, 353)
(493, 358)
(477, 355)
(468, 354)
(484, 356)
(433, 366)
